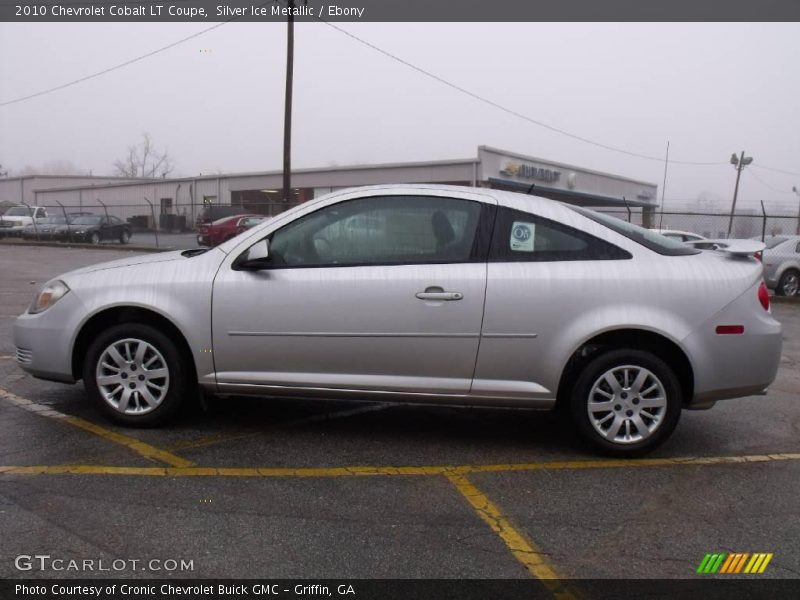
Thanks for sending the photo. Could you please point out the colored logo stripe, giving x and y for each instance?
(735, 562)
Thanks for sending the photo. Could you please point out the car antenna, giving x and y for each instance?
(530, 189)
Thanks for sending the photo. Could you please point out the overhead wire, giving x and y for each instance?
(124, 64)
(403, 62)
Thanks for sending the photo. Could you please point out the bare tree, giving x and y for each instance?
(144, 160)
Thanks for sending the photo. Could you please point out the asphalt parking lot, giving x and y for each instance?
(316, 489)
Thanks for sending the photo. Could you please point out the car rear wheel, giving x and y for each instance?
(124, 237)
(135, 375)
(94, 238)
(626, 402)
(789, 283)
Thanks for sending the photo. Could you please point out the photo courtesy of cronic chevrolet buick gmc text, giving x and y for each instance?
(420, 293)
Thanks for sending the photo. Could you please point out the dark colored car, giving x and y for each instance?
(224, 229)
(215, 212)
(94, 229)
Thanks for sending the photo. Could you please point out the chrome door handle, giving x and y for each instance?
(439, 295)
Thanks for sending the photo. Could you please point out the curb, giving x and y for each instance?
(117, 247)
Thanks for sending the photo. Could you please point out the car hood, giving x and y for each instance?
(15, 219)
(139, 259)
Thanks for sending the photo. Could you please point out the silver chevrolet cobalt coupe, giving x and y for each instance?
(422, 293)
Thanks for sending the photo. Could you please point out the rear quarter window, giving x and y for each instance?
(524, 237)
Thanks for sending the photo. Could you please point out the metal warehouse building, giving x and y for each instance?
(261, 192)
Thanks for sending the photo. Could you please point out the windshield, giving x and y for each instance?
(87, 220)
(53, 221)
(18, 211)
(647, 238)
(774, 241)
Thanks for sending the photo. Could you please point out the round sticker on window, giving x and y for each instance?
(522, 235)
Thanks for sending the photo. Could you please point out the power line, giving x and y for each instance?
(404, 62)
(525, 117)
(505, 108)
(123, 64)
(777, 170)
(765, 184)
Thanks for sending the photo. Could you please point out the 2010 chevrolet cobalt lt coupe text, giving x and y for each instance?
(431, 294)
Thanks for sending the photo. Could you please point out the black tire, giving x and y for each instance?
(622, 409)
(94, 239)
(786, 279)
(124, 237)
(180, 384)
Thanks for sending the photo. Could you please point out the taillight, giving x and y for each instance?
(759, 256)
(763, 295)
(730, 329)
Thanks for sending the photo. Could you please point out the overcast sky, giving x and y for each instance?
(216, 101)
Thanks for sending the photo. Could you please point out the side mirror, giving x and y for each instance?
(256, 257)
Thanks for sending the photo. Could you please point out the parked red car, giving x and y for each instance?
(224, 229)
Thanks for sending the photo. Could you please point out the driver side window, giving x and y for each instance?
(379, 230)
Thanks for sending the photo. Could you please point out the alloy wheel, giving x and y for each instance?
(132, 376)
(790, 284)
(627, 404)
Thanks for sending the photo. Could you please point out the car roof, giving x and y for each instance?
(232, 217)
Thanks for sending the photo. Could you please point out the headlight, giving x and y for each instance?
(51, 293)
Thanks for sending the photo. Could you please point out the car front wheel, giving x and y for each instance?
(135, 375)
(124, 237)
(94, 238)
(626, 402)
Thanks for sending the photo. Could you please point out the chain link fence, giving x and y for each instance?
(163, 225)
(744, 225)
(169, 223)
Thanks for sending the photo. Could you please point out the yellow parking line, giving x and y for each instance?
(141, 448)
(356, 471)
(524, 550)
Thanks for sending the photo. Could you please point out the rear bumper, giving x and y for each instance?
(734, 366)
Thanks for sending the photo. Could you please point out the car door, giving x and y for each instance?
(383, 293)
(542, 276)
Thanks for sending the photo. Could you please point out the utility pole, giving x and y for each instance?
(287, 115)
(739, 163)
(796, 191)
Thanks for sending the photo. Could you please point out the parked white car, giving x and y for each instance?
(692, 239)
(681, 236)
(16, 218)
(782, 265)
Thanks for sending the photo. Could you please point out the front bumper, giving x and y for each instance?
(44, 341)
(12, 231)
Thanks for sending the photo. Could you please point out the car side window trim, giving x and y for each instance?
(478, 253)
